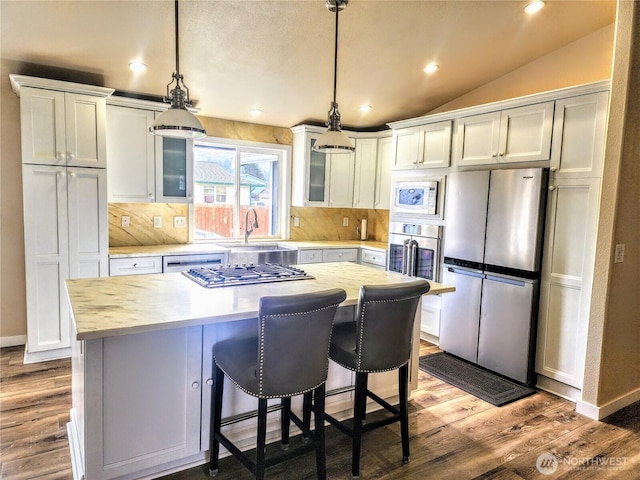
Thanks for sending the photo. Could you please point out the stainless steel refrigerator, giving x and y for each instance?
(492, 255)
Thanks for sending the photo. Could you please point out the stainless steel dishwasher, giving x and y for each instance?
(182, 263)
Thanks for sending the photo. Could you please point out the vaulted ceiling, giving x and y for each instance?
(277, 55)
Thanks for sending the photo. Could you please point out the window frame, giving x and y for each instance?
(283, 152)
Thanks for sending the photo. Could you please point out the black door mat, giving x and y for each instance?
(485, 385)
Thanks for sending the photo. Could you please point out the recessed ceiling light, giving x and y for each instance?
(534, 6)
(365, 108)
(432, 67)
(255, 112)
(137, 66)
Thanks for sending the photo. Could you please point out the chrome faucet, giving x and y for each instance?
(250, 227)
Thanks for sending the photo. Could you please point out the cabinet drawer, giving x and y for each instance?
(340, 255)
(310, 256)
(134, 266)
(375, 257)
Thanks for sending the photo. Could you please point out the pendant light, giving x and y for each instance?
(334, 140)
(177, 121)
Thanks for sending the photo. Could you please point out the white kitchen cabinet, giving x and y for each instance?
(130, 155)
(143, 167)
(341, 179)
(340, 255)
(430, 317)
(364, 192)
(424, 146)
(384, 165)
(65, 203)
(372, 257)
(174, 170)
(570, 237)
(62, 128)
(521, 134)
(65, 233)
(134, 265)
(310, 256)
(578, 136)
(140, 397)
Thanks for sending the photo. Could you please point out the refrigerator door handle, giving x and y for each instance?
(468, 273)
(517, 283)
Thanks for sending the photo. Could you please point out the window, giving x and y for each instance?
(230, 181)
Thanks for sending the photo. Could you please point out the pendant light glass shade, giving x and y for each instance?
(177, 121)
(334, 140)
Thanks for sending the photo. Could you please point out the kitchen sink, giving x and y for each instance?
(260, 253)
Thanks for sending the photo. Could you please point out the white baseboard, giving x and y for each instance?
(35, 357)
(13, 341)
(599, 412)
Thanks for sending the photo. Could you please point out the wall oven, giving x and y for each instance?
(414, 249)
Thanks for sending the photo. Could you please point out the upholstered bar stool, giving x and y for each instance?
(378, 340)
(287, 357)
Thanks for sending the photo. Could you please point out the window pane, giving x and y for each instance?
(258, 191)
(214, 177)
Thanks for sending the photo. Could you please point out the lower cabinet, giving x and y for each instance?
(136, 403)
(66, 236)
(430, 318)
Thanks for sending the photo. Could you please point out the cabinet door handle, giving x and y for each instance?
(554, 169)
(209, 381)
(60, 156)
(195, 385)
(150, 195)
(551, 188)
(494, 155)
(70, 156)
(501, 154)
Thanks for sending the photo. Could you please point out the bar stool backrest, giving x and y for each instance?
(294, 334)
(384, 322)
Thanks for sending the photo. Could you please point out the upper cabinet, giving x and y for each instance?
(337, 180)
(131, 155)
(384, 166)
(424, 146)
(578, 136)
(143, 167)
(62, 128)
(521, 134)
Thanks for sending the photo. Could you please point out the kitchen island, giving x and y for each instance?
(142, 365)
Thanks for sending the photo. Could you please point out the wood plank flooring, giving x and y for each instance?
(453, 435)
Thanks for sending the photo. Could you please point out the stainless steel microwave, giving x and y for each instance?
(418, 198)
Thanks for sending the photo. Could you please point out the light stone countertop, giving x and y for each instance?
(191, 248)
(111, 306)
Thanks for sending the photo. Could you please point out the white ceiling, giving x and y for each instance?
(277, 55)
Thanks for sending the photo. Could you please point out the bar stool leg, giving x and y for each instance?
(262, 438)
(318, 413)
(285, 420)
(216, 418)
(403, 380)
(359, 414)
(306, 413)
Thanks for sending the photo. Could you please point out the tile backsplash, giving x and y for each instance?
(141, 230)
(328, 224)
(315, 224)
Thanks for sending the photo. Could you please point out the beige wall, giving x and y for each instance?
(586, 60)
(613, 364)
(12, 293)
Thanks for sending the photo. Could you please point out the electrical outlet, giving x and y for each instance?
(125, 221)
(157, 221)
(345, 221)
(619, 254)
(296, 221)
(179, 222)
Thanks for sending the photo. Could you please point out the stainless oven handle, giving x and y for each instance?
(406, 254)
(413, 255)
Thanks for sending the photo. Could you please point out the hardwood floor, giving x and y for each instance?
(453, 435)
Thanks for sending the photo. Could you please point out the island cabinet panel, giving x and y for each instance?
(141, 402)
